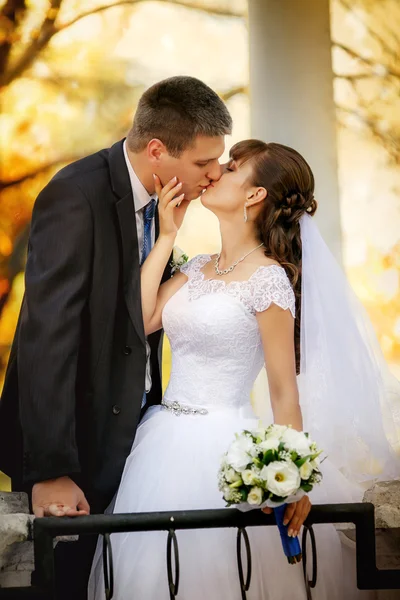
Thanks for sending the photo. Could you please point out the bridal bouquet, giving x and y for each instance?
(271, 467)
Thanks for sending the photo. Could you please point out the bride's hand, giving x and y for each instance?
(172, 206)
(295, 515)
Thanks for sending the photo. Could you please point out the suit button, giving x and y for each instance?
(116, 409)
(127, 350)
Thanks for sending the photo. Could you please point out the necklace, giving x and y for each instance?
(230, 269)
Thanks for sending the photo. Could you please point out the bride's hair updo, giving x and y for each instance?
(289, 182)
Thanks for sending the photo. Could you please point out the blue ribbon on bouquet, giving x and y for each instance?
(291, 545)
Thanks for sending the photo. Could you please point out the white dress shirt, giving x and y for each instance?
(141, 198)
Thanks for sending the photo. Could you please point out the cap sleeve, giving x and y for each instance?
(186, 268)
(193, 266)
(271, 285)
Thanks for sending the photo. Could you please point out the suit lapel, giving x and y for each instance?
(128, 234)
(131, 268)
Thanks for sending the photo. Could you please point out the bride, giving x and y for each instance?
(273, 296)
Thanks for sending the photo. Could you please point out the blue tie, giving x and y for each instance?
(148, 216)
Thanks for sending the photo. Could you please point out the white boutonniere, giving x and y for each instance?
(179, 258)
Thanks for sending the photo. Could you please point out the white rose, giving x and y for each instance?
(269, 444)
(231, 476)
(259, 432)
(296, 440)
(255, 496)
(306, 470)
(276, 431)
(283, 478)
(248, 477)
(177, 254)
(239, 453)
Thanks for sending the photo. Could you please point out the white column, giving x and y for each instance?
(291, 88)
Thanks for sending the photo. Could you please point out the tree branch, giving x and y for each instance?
(389, 18)
(192, 5)
(38, 42)
(367, 61)
(390, 142)
(225, 96)
(10, 16)
(354, 77)
(373, 34)
(39, 171)
(64, 160)
(48, 30)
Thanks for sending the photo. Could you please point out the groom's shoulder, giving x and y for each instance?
(87, 172)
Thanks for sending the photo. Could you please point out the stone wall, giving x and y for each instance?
(385, 497)
(16, 547)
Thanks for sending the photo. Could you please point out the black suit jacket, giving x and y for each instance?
(72, 396)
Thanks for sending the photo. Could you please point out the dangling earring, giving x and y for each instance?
(245, 209)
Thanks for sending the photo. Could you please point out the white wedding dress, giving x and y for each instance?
(216, 356)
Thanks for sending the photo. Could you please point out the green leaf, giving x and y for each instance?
(299, 463)
(244, 493)
(316, 454)
(275, 498)
(258, 462)
(306, 487)
(269, 456)
(236, 484)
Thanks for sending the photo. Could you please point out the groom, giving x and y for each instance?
(81, 372)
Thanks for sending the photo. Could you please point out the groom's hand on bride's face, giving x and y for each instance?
(295, 515)
(59, 497)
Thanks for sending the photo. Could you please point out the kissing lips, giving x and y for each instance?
(207, 187)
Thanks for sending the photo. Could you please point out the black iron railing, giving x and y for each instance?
(361, 515)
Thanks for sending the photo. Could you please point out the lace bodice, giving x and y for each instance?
(213, 331)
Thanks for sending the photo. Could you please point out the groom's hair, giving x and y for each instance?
(176, 111)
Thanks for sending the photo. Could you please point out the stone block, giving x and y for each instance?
(18, 564)
(385, 496)
(13, 502)
(13, 529)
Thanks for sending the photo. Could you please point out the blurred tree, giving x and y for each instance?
(380, 22)
(366, 61)
(369, 76)
(15, 14)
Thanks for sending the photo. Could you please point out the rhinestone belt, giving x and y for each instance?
(178, 409)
